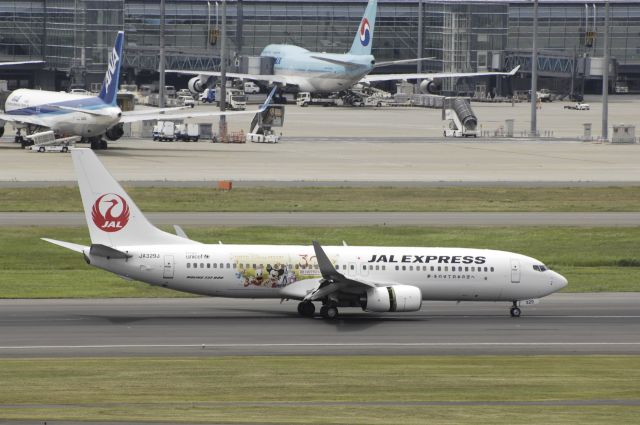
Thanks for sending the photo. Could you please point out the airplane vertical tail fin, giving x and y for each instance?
(364, 36)
(112, 216)
(109, 92)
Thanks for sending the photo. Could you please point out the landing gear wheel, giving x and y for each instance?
(306, 308)
(515, 312)
(329, 312)
(103, 144)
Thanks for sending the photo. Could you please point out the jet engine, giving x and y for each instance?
(430, 86)
(392, 298)
(115, 132)
(197, 84)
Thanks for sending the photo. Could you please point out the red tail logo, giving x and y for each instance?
(110, 212)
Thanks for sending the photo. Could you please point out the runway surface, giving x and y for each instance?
(434, 219)
(561, 324)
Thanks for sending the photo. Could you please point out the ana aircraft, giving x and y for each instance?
(88, 116)
(374, 278)
(317, 72)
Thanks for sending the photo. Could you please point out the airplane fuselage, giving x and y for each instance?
(259, 271)
(56, 111)
(312, 74)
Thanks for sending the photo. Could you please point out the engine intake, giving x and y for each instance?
(115, 132)
(430, 86)
(197, 84)
(392, 298)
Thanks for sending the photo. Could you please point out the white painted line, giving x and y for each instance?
(319, 344)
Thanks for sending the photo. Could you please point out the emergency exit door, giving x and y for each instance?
(515, 271)
(168, 267)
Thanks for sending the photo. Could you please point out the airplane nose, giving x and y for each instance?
(559, 281)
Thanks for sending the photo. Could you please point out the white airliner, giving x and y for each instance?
(330, 72)
(374, 278)
(88, 116)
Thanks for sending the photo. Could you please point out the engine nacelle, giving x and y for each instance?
(392, 298)
(115, 132)
(430, 86)
(197, 84)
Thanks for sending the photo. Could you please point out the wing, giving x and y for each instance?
(433, 76)
(23, 119)
(8, 64)
(331, 281)
(271, 79)
(161, 115)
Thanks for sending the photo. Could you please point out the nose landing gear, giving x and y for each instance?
(306, 309)
(515, 310)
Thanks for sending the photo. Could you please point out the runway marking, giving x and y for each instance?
(318, 344)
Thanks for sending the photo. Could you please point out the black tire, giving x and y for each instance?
(305, 104)
(41, 149)
(103, 144)
(515, 312)
(65, 149)
(306, 309)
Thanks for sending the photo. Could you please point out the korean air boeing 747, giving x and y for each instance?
(90, 117)
(374, 278)
(317, 72)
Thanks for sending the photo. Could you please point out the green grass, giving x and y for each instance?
(593, 259)
(240, 389)
(318, 199)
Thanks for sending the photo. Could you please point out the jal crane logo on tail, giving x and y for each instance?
(365, 33)
(110, 212)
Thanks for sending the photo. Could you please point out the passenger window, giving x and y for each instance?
(432, 268)
(466, 269)
(195, 265)
(411, 268)
(188, 265)
(208, 265)
(215, 265)
(446, 268)
(491, 269)
(202, 265)
(439, 268)
(397, 268)
(404, 268)
(228, 265)
(473, 269)
(384, 268)
(351, 267)
(364, 267)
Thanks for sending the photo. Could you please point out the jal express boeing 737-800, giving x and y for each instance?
(374, 278)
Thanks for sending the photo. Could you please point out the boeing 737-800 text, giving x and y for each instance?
(374, 278)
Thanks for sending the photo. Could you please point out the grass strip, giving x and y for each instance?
(305, 391)
(341, 199)
(593, 259)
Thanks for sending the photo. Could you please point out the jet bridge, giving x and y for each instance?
(462, 121)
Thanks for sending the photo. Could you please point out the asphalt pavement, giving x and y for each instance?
(605, 323)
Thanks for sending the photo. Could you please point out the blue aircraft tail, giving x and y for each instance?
(364, 37)
(109, 92)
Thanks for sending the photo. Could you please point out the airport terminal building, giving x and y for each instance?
(74, 37)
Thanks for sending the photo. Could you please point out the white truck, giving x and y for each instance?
(236, 99)
(187, 132)
(251, 88)
(164, 131)
(305, 99)
(186, 101)
(46, 142)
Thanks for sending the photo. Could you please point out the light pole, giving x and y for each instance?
(534, 72)
(161, 83)
(605, 77)
(223, 73)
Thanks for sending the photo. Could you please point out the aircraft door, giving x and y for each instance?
(168, 267)
(515, 271)
(364, 269)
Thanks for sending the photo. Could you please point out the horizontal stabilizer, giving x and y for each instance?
(339, 62)
(100, 250)
(72, 246)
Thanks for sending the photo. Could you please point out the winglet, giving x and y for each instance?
(514, 70)
(268, 100)
(327, 269)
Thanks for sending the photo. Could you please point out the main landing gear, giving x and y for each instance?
(307, 309)
(515, 310)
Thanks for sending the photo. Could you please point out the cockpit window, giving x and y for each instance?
(539, 267)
